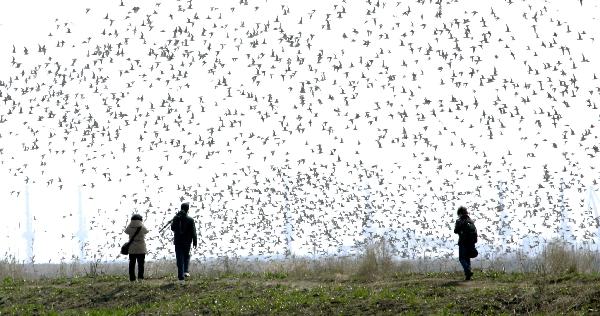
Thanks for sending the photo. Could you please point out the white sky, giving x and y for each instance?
(54, 213)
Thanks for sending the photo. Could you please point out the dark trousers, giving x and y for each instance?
(182, 256)
(463, 257)
(140, 261)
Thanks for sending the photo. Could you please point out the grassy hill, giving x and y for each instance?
(277, 293)
(561, 280)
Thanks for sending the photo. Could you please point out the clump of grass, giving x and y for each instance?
(12, 269)
(230, 264)
(367, 268)
(160, 268)
(94, 269)
(296, 267)
(559, 257)
(588, 261)
(403, 267)
(333, 267)
(275, 275)
(524, 261)
(376, 261)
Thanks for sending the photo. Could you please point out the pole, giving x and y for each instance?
(82, 226)
(562, 209)
(592, 198)
(366, 231)
(286, 217)
(28, 226)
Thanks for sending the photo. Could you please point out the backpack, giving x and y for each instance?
(469, 232)
(178, 222)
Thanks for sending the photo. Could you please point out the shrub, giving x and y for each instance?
(376, 261)
(557, 258)
(11, 268)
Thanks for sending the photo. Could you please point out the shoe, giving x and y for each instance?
(468, 276)
(181, 282)
(186, 275)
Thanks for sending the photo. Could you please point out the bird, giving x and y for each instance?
(311, 139)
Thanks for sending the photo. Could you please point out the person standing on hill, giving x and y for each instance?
(184, 233)
(137, 247)
(467, 237)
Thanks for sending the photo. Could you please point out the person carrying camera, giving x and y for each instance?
(184, 233)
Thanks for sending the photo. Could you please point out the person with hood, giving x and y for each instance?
(137, 247)
(184, 233)
(467, 237)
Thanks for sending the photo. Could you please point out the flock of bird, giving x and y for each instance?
(314, 127)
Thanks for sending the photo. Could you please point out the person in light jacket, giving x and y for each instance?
(137, 248)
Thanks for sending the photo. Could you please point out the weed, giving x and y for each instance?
(94, 268)
(275, 275)
(376, 261)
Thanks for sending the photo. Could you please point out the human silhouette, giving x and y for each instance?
(184, 232)
(137, 247)
(467, 237)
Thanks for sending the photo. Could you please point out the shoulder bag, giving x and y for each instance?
(125, 247)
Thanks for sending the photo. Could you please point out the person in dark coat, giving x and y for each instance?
(137, 248)
(466, 245)
(184, 233)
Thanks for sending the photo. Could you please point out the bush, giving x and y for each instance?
(559, 257)
(10, 268)
(367, 268)
(377, 260)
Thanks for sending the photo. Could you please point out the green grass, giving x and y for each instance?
(266, 293)
(560, 281)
